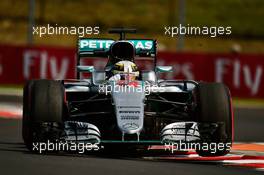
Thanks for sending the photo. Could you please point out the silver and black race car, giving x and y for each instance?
(124, 106)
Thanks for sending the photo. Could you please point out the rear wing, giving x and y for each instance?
(100, 48)
(94, 47)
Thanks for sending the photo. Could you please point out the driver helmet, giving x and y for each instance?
(125, 70)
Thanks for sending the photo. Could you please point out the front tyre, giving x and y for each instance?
(214, 107)
(43, 111)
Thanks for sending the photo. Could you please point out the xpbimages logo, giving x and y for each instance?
(131, 87)
(210, 147)
(212, 31)
(80, 147)
(80, 31)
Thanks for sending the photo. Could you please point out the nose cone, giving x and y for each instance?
(129, 108)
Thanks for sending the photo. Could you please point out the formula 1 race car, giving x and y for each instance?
(122, 105)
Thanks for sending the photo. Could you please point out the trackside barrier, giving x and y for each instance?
(243, 73)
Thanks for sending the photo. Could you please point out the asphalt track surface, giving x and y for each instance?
(16, 159)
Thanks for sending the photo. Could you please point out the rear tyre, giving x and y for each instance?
(26, 129)
(214, 107)
(43, 111)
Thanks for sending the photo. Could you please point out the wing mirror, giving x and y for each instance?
(88, 69)
(162, 69)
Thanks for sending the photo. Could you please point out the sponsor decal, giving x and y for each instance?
(120, 107)
(91, 44)
(130, 112)
(129, 117)
(95, 44)
(130, 126)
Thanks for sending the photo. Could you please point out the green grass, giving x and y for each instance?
(245, 16)
(248, 103)
(150, 16)
(11, 90)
